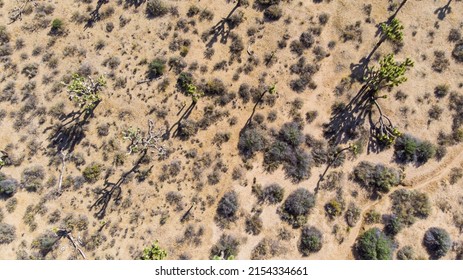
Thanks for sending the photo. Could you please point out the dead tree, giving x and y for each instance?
(67, 234)
(64, 156)
(18, 11)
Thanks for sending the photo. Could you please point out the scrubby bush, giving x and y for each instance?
(441, 90)
(374, 245)
(456, 174)
(215, 87)
(92, 172)
(156, 8)
(228, 207)
(251, 141)
(186, 129)
(457, 52)
(393, 225)
(311, 241)
(291, 133)
(297, 206)
(184, 80)
(272, 194)
(226, 248)
(437, 242)
(352, 214)
(333, 208)
(306, 39)
(8, 187)
(376, 178)
(267, 2)
(7, 233)
(32, 178)
(297, 166)
(156, 68)
(273, 12)
(410, 149)
(254, 224)
(454, 35)
(406, 253)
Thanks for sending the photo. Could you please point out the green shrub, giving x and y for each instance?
(374, 245)
(457, 52)
(376, 178)
(154, 252)
(405, 148)
(437, 242)
(291, 133)
(297, 206)
(372, 217)
(393, 225)
(184, 80)
(424, 151)
(156, 68)
(156, 8)
(352, 214)
(333, 208)
(409, 205)
(57, 26)
(311, 241)
(92, 172)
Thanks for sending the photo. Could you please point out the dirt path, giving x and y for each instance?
(418, 182)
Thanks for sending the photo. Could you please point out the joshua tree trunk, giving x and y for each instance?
(63, 166)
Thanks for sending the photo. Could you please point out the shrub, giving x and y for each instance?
(352, 214)
(184, 80)
(456, 174)
(405, 148)
(441, 90)
(226, 248)
(291, 133)
(7, 233)
(454, 35)
(297, 166)
(374, 245)
(57, 27)
(311, 241)
(441, 63)
(297, 206)
(306, 39)
(457, 52)
(32, 178)
(406, 253)
(437, 242)
(8, 187)
(251, 141)
(156, 8)
(393, 225)
(424, 151)
(273, 12)
(156, 68)
(215, 87)
(187, 128)
(92, 172)
(228, 206)
(408, 205)
(372, 217)
(376, 178)
(333, 208)
(267, 2)
(272, 194)
(254, 225)
(153, 252)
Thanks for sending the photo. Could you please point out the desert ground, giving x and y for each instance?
(222, 129)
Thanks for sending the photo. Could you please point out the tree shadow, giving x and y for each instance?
(113, 191)
(66, 135)
(95, 14)
(443, 11)
(134, 3)
(176, 125)
(222, 28)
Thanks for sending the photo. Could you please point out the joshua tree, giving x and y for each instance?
(85, 92)
(141, 142)
(392, 31)
(154, 252)
(390, 74)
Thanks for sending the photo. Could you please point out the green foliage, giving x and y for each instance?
(8, 187)
(393, 225)
(272, 194)
(437, 242)
(57, 26)
(408, 205)
(156, 68)
(154, 252)
(393, 30)
(352, 214)
(389, 74)
(92, 172)
(374, 245)
(311, 241)
(377, 178)
(85, 92)
(410, 149)
(333, 208)
(372, 217)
